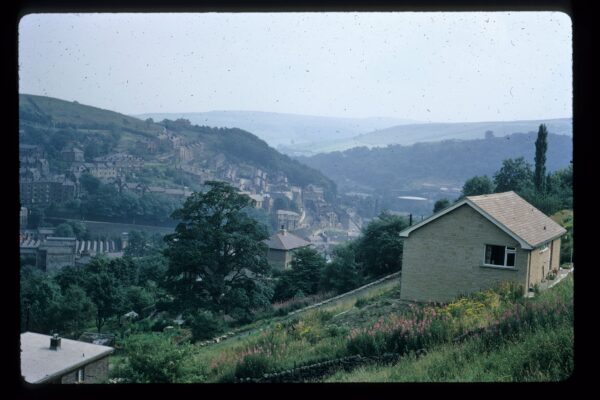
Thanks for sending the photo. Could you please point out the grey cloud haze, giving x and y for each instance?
(422, 66)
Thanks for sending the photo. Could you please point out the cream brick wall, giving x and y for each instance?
(444, 258)
(544, 262)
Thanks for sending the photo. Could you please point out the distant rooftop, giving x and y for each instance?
(284, 240)
(39, 363)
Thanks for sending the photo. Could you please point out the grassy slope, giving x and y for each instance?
(62, 111)
(536, 355)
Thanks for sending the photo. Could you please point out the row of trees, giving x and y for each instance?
(69, 299)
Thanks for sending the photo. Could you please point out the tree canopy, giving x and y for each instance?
(217, 252)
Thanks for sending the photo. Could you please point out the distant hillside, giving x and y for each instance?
(284, 131)
(54, 123)
(433, 132)
(448, 162)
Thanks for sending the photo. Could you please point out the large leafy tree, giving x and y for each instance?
(380, 247)
(515, 175)
(344, 272)
(216, 249)
(541, 145)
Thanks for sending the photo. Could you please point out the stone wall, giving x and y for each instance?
(444, 259)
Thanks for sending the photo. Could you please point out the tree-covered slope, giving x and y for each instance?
(450, 162)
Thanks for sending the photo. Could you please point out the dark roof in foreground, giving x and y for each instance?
(284, 240)
(511, 213)
(40, 364)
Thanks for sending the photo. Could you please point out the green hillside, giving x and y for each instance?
(64, 114)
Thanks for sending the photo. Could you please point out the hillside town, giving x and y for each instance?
(302, 211)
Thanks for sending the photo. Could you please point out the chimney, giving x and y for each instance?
(410, 220)
(55, 342)
(282, 231)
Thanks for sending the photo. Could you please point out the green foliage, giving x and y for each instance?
(253, 366)
(152, 358)
(137, 299)
(64, 230)
(74, 310)
(38, 294)
(344, 273)
(303, 277)
(35, 218)
(515, 175)
(205, 325)
(361, 302)
(541, 146)
(380, 247)
(440, 205)
(215, 249)
(477, 185)
(90, 183)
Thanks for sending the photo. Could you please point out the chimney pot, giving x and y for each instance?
(54, 342)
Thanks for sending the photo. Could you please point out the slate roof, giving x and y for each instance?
(520, 217)
(511, 213)
(40, 364)
(284, 240)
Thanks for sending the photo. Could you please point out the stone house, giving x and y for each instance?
(281, 248)
(289, 220)
(47, 359)
(477, 243)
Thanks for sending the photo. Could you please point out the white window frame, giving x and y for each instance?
(507, 250)
(544, 247)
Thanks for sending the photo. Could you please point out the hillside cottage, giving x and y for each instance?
(281, 248)
(477, 243)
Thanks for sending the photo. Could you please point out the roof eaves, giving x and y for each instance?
(76, 366)
(550, 239)
(408, 230)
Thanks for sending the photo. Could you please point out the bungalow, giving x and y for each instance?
(281, 248)
(50, 359)
(477, 243)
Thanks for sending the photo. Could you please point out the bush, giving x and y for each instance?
(205, 325)
(365, 344)
(151, 359)
(361, 302)
(253, 366)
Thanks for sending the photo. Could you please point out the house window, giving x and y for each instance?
(80, 375)
(502, 256)
(544, 247)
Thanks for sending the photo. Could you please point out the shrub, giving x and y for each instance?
(152, 359)
(205, 325)
(253, 366)
(366, 344)
(361, 302)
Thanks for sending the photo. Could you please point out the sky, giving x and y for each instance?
(426, 66)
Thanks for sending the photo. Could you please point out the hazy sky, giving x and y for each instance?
(423, 66)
